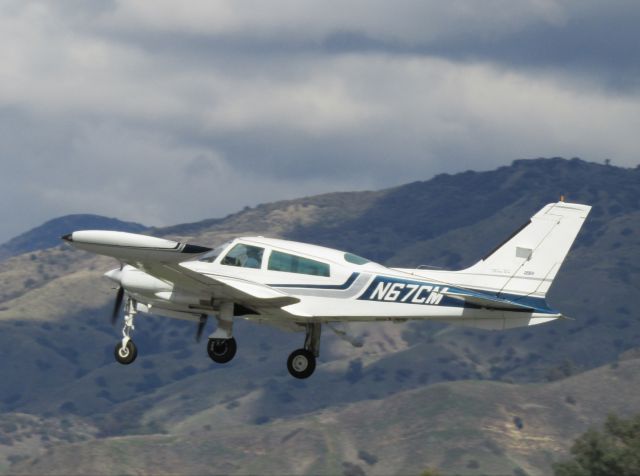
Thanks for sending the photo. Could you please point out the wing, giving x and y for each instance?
(237, 290)
(162, 259)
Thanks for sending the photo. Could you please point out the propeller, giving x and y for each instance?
(115, 275)
(117, 305)
(201, 324)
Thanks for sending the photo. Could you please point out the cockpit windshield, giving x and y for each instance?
(211, 256)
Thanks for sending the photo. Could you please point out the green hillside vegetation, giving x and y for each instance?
(466, 427)
(174, 408)
(614, 450)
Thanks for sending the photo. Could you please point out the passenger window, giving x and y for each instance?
(244, 256)
(296, 264)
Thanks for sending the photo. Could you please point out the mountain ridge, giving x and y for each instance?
(55, 303)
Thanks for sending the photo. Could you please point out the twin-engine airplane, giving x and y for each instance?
(300, 287)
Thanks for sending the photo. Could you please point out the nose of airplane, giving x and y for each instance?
(114, 275)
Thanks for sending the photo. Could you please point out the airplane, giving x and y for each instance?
(301, 287)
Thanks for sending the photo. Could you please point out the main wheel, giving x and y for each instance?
(222, 350)
(128, 354)
(301, 363)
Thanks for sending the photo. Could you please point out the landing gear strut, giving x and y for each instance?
(221, 346)
(126, 351)
(302, 362)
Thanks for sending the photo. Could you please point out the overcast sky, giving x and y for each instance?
(165, 112)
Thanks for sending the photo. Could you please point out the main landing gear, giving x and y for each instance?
(302, 362)
(221, 346)
(222, 350)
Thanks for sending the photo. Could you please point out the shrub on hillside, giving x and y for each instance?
(614, 450)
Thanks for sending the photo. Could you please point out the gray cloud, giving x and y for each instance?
(164, 112)
(592, 37)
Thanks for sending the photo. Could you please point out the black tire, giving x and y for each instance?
(222, 350)
(301, 363)
(128, 355)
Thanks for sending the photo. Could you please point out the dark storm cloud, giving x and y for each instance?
(162, 112)
(595, 38)
(588, 45)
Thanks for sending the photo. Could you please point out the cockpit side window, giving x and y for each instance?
(244, 256)
(355, 259)
(297, 264)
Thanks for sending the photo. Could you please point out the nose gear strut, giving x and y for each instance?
(126, 351)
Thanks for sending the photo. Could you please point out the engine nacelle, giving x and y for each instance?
(136, 281)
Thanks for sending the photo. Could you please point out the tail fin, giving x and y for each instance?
(528, 261)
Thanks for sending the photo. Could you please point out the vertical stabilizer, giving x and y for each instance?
(528, 261)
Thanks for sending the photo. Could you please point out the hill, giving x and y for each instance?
(466, 427)
(59, 378)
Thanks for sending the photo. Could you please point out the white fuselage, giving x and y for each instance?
(350, 292)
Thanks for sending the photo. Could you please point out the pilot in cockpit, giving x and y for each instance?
(244, 256)
(252, 258)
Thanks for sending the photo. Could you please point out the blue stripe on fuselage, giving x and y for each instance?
(346, 285)
(539, 304)
(407, 291)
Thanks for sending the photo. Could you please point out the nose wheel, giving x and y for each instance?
(127, 354)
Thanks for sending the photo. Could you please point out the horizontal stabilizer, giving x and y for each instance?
(488, 302)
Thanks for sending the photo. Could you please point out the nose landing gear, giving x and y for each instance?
(127, 354)
(126, 351)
